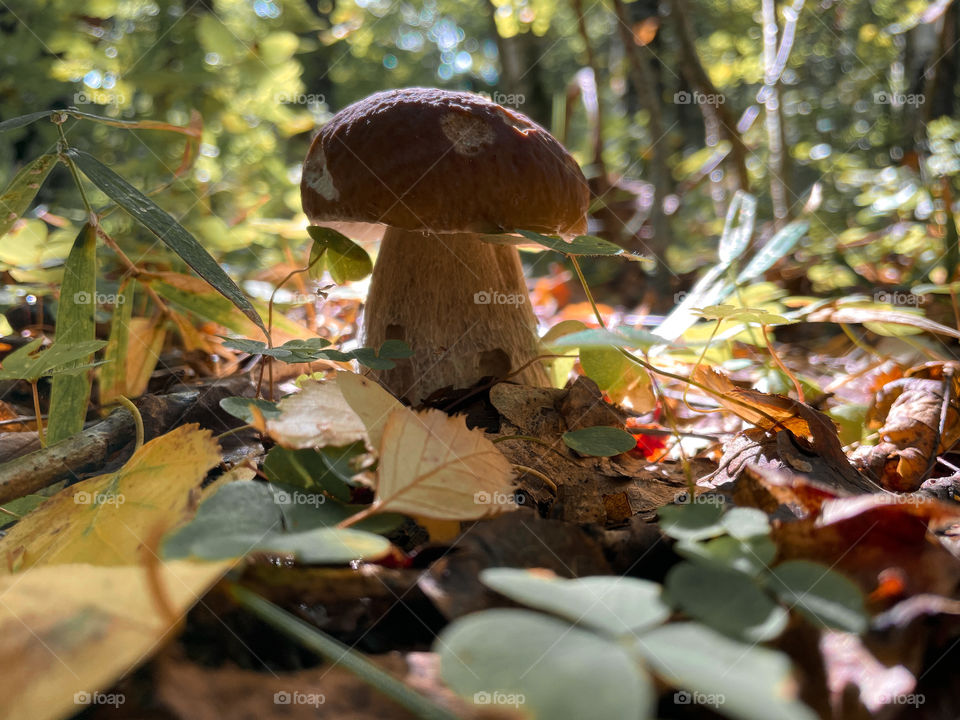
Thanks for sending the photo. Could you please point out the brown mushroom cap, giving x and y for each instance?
(428, 159)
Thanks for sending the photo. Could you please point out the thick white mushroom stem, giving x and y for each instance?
(462, 306)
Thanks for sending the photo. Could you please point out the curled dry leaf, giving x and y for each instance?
(433, 465)
(794, 435)
(108, 519)
(918, 417)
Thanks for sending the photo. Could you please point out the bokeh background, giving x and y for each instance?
(847, 108)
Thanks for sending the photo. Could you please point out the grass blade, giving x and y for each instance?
(70, 393)
(161, 224)
(338, 653)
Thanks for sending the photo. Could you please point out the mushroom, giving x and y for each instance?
(440, 169)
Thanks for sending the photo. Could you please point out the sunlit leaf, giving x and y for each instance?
(159, 222)
(70, 394)
(614, 605)
(21, 191)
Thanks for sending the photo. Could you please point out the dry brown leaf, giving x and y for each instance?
(317, 416)
(911, 413)
(433, 465)
(72, 630)
(107, 519)
(370, 401)
(781, 412)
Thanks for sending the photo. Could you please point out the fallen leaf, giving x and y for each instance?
(70, 631)
(317, 416)
(107, 519)
(370, 401)
(433, 465)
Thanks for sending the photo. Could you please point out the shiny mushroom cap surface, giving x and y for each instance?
(424, 159)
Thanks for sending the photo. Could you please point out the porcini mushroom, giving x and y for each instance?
(439, 169)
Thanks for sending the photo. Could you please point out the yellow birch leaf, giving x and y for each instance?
(432, 465)
(370, 401)
(107, 519)
(70, 631)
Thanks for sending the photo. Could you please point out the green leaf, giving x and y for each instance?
(30, 363)
(17, 122)
(613, 605)
(736, 237)
(341, 257)
(21, 506)
(752, 556)
(824, 596)
(580, 245)
(695, 521)
(746, 682)
(22, 190)
(625, 337)
(743, 315)
(775, 248)
(746, 522)
(326, 470)
(600, 441)
(247, 516)
(541, 666)
(240, 407)
(70, 394)
(713, 287)
(160, 223)
(728, 601)
(301, 351)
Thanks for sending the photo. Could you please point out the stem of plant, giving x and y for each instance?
(36, 411)
(339, 654)
(651, 368)
(137, 420)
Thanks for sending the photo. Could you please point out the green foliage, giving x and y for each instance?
(599, 441)
(311, 349)
(247, 516)
(337, 254)
(76, 324)
(31, 362)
